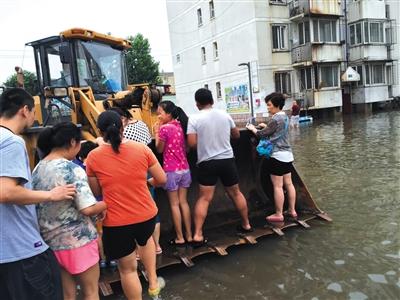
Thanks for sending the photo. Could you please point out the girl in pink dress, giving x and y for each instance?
(170, 140)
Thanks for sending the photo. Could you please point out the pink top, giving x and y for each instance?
(174, 149)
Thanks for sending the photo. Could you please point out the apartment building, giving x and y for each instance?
(243, 50)
(372, 49)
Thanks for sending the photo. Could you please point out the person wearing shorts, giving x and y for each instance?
(210, 132)
(137, 131)
(280, 163)
(118, 170)
(170, 140)
(66, 226)
(295, 116)
(28, 268)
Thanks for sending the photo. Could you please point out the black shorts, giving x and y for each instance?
(279, 168)
(120, 241)
(225, 169)
(34, 278)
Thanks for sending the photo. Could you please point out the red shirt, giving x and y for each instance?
(295, 110)
(123, 179)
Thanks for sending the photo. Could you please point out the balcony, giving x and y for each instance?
(316, 99)
(316, 53)
(370, 94)
(299, 8)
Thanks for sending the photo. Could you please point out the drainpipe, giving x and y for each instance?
(345, 34)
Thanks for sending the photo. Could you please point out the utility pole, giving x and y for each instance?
(250, 88)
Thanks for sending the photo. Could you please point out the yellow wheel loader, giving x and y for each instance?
(79, 71)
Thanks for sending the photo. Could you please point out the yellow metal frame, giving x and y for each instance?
(86, 34)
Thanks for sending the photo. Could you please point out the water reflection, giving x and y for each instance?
(352, 169)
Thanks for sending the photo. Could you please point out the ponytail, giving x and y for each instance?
(110, 124)
(113, 135)
(58, 136)
(183, 119)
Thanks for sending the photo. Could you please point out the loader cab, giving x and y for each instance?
(80, 63)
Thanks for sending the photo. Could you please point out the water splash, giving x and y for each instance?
(336, 287)
(357, 296)
(386, 242)
(390, 273)
(378, 278)
(308, 276)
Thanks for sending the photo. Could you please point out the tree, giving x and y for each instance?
(30, 82)
(141, 65)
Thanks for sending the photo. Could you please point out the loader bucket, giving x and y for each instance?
(222, 219)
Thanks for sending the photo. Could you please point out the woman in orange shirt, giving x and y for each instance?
(118, 171)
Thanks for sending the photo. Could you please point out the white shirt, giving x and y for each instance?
(213, 129)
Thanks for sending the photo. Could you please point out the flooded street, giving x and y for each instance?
(352, 168)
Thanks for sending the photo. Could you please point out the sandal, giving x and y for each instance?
(172, 242)
(154, 293)
(273, 218)
(292, 215)
(198, 244)
(241, 229)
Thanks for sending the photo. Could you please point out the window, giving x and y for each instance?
(203, 55)
(374, 74)
(278, 2)
(211, 7)
(359, 70)
(304, 32)
(373, 32)
(215, 47)
(358, 33)
(279, 37)
(378, 75)
(366, 32)
(325, 31)
(389, 75)
(282, 82)
(376, 32)
(305, 79)
(178, 58)
(199, 17)
(355, 34)
(218, 88)
(329, 76)
(367, 75)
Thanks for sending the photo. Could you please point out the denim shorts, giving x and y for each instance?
(178, 179)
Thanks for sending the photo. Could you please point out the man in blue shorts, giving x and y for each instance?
(210, 132)
(28, 268)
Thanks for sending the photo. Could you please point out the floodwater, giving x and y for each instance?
(351, 166)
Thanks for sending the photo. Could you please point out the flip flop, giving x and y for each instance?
(159, 251)
(273, 218)
(198, 244)
(291, 215)
(240, 229)
(172, 242)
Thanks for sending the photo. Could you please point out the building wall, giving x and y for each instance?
(385, 53)
(395, 53)
(243, 33)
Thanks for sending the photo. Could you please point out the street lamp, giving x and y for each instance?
(250, 88)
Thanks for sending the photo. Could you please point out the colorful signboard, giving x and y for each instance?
(237, 99)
